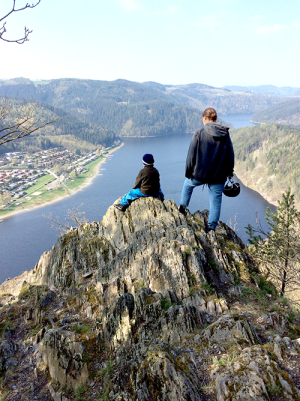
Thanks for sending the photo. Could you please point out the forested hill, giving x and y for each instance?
(283, 113)
(126, 108)
(267, 159)
(137, 109)
(66, 130)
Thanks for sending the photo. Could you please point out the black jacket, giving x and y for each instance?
(148, 181)
(210, 158)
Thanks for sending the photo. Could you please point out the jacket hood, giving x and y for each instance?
(216, 130)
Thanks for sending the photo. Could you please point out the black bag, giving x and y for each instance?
(231, 189)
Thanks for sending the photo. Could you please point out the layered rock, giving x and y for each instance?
(144, 306)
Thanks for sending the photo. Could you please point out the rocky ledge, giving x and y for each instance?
(146, 306)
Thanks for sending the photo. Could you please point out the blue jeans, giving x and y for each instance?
(215, 198)
(133, 195)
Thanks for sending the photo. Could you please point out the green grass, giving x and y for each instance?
(47, 196)
(7, 325)
(81, 328)
(35, 199)
(33, 332)
(208, 288)
(223, 361)
(109, 368)
(79, 392)
(40, 181)
(80, 179)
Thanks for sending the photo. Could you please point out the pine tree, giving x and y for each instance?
(278, 251)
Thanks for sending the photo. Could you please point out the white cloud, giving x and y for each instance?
(131, 5)
(266, 29)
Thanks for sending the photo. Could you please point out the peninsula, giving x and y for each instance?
(24, 188)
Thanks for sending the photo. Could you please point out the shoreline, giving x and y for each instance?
(155, 136)
(256, 123)
(87, 182)
(263, 195)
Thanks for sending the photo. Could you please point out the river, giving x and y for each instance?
(25, 236)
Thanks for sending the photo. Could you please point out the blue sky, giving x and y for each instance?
(216, 42)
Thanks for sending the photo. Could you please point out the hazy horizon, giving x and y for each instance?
(141, 82)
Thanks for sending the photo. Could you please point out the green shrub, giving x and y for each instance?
(138, 284)
(237, 279)
(81, 328)
(108, 369)
(207, 288)
(191, 279)
(266, 286)
(79, 392)
(187, 250)
(7, 325)
(165, 303)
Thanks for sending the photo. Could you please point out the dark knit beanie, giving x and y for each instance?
(148, 159)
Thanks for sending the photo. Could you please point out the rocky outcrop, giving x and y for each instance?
(64, 357)
(150, 245)
(253, 375)
(146, 306)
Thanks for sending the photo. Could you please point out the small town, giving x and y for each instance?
(24, 175)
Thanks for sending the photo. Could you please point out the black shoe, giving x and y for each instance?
(120, 207)
(182, 209)
(160, 197)
(209, 229)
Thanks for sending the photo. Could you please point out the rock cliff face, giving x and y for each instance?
(146, 306)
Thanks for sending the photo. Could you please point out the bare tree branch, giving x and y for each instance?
(27, 32)
(74, 215)
(18, 122)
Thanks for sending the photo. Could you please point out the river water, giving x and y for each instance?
(25, 236)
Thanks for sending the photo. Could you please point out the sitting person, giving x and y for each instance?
(147, 184)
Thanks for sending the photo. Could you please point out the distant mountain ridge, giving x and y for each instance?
(224, 100)
(267, 89)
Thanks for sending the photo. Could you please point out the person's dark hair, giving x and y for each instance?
(210, 113)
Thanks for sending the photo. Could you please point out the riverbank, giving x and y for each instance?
(257, 182)
(73, 187)
(255, 122)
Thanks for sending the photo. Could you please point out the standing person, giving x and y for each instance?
(147, 183)
(210, 161)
